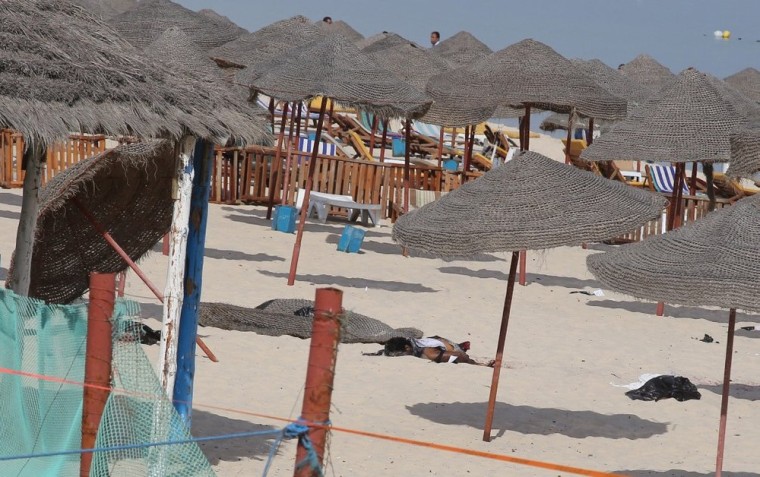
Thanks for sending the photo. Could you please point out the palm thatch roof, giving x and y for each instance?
(127, 189)
(745, 152)
(747, 82)
(144, 23)
(365, 42)
(66, 70)
(334, 67)
(342, 28)
(531, 202)
(527, 72)
(714, 261)
(646, 71)
(268, 42)
(221, 18)
(406, 60)
(106, 8)
(557, 121)
(461, 49)
(614, 81)
(688, 120)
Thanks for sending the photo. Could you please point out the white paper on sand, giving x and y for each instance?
(598, 293)
(642, 380)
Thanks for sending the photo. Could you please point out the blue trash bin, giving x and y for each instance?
(351, 239)
(399, 146)
(450, 165)
(284, 218)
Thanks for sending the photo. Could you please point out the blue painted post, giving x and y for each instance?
(196, 244)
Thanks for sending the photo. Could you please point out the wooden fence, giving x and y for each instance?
(59, 156)
(246, 175)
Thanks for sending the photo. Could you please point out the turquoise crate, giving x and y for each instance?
(351, 239)
(284, 218)
(450, 165)
(399, 147)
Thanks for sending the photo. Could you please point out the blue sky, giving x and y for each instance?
(678, 33)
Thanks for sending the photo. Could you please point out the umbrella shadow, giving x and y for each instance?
(542, 421)
(311, 225)
(7, 214)
(356, 282)
(238, 255)
(10, 199)
(537, 278)
(674, 311)
(748, 392)
(681, 473)
(209, 424)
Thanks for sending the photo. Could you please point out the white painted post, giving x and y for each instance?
(174, 291)
(30, 205)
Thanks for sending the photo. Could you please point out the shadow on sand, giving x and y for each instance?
(736, 391)
(534, 420)
(258, 217)
(238, 255)
(10, 199)
(681, 473)
(537, 278)
(675, 311)
(355, 282)
(7, 214)
(208, 424)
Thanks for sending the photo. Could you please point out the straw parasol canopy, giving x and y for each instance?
(65, 70)
(557, 121)
(614, 81)
(129, 191)
(144, 23)
(106, 8)
(334, 67)
(747, 81)
(532, 202)
(528, 72)
(688, 120)
(714, 261)
(406, 60)
(342, 28)
(461, 49)
(745, 152)
(646, 71)
(221, 18)
(267, 43)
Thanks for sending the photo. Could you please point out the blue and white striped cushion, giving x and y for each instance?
(663, 178)
(307, 145)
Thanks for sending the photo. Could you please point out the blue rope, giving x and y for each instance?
(140, 446)
(300, 430)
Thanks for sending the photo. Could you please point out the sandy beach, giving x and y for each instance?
(556, 400)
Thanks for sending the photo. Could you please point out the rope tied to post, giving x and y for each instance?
(299, 430)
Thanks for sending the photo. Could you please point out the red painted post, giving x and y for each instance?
(165, 245)
(523, 267)
(97, 366)
(660, 308)
(325, 336)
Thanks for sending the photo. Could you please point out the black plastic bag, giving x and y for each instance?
(664, 387)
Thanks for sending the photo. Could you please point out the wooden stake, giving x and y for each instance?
(724, 394)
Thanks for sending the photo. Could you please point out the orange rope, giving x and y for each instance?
(373, 435)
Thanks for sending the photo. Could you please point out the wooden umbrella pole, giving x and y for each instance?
(724, 395)
(274, 172)
(372, 136)
(120, 251)
(306, 193)
(527, 127)
(289, 148)
(681, 171)
(440, 147)
(472, 144)
(271, 113)
(569, 139)
(590, 133)
(407, 136)
(454, 140)
(526, 132)
(675, 198)
(466, 158)
(385, 137)
(500, 348)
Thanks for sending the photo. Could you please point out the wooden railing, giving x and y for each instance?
(59, 156)
(246, 174)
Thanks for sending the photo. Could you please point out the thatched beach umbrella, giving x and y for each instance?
(127, 189)
(557, 121)
(614, 81)
(747, 82)
(711, 262)
(208, 12)
(745, 152)
(342, 28)
(144, 23)
(106, 8)
(524, 205)
(333, 67)
(55, 81)
(648, 72)
(461, 49)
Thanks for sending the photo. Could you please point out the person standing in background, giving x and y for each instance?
(435, 38)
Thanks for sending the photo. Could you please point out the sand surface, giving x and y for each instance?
(556, 402)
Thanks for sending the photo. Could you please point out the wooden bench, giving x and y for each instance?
(320, 203)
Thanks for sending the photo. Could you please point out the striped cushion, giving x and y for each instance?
(663, 178)
(307, 145)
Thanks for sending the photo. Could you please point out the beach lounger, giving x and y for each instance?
(325, 148)
(320, 202)
(662, 178)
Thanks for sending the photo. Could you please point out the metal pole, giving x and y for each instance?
(407, 136)
(306, 193)
(385, 137)
(724, 396)
(320, 374)
(276, 162)
(500, 348)
(97, 366)
(196, 244)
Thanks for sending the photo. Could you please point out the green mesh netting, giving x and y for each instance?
(39, 416)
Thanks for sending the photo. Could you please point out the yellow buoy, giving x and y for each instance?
(726, 34)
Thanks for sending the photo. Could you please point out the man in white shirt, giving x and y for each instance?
(435, 38)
